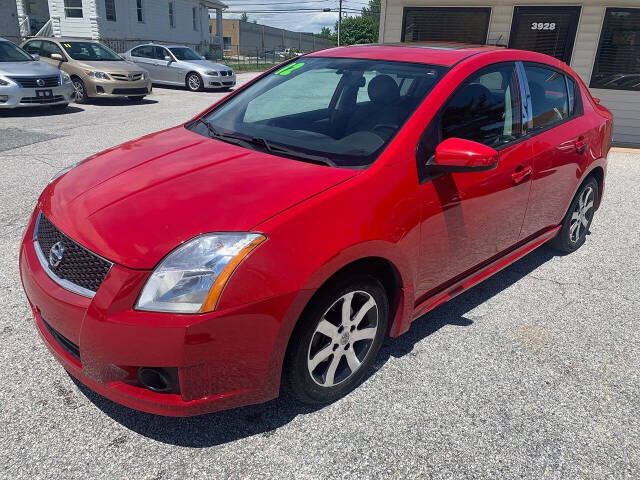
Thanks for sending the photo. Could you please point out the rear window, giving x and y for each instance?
(549, 99)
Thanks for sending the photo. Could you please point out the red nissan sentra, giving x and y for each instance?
(276, 239)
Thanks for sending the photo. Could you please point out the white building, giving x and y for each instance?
(600, 40)
(121, 24)
(9, 20)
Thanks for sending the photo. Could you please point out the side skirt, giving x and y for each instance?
(478, 275)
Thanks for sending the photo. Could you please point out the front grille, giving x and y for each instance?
(226, 73)
(32, 82)
(42, 100)
(129, 91)
(125, 76)
(78, 265)
(63, 341)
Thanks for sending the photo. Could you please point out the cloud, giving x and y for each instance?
(296, 21)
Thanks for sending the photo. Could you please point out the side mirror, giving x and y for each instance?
(460, 155)
(167, 58)
(57, 56)
(35, 56)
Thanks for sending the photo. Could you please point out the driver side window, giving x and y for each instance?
(484, 109)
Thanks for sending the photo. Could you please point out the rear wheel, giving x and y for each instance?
(194, 82)
(577, 221)
(81, 91)
(336, 340)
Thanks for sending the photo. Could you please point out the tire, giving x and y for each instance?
(60, 106)
(323, 361)
(194, 82)
(136, 98)
(81, 91)
(577, 221)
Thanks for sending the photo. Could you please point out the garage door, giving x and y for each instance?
(550, 30)
(445, 24)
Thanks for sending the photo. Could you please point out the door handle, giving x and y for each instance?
(581, 144)
(521, 174)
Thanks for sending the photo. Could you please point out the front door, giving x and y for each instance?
(548, 30)
(468, 218)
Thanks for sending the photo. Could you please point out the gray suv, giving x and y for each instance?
(180, 65)
(26, 82)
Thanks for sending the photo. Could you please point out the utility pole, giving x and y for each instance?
(339, 22)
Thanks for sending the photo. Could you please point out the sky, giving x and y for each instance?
(305, 21)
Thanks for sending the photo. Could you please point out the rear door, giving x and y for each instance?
(143, 56)
(468, 218)
(559, 136)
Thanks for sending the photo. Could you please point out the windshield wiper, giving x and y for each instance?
(266, 145)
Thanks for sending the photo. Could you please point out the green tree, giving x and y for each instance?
(373, 10)
(358, 30)
(327, 34)
(244, 17)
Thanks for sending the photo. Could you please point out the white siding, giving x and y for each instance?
(85, 27)
(624, 105)
(156, 22)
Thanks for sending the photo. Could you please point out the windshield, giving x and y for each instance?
(89, 51)
(10, 53)
(184, 53)
(342, 111)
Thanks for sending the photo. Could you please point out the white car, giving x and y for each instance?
(180, 65)
(27, 82)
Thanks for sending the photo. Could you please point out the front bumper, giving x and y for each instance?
(18, 96)
(117, 88)
(218, 81)
(224, 359)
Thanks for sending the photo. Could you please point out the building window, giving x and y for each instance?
(226, 41)
(194, 11)
(172, 6)
(617, 65)
(73, 8)
(446, 24)
(139, 11)
(110, 10)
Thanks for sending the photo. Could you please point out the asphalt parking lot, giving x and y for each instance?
(533, 374)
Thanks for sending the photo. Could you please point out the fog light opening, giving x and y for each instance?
(155, 379)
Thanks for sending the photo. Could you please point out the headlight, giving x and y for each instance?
(212, 73)
(145, 75)
(65, 77)
(191, 278)
(96, 74)
(64, 170)
(4, 82)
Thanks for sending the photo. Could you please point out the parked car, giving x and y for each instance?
(96, 70)
(26, 82)
(280, 236)
(180, 65)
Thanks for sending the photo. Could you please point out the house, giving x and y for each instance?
(9, 20)
(599, 39)
(121, 24)
(254, 39)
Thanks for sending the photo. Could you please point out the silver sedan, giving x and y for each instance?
(180, 65)
(26, 82)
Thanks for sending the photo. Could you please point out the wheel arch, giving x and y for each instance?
(598, 174)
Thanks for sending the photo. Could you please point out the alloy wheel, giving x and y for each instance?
(581, 215)
(79, 87)
(194, 82)
(342, 338)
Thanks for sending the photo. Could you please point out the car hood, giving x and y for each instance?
(21, 69)
(204, 64)
(115, 66)
(134, 203)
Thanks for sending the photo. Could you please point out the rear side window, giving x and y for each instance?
(549, 99)
(484, 109)
(144, 52)
(33, 47)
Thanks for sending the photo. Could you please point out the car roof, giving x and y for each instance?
(436, 53)
(64, 39)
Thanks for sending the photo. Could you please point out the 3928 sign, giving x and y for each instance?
(543, 26)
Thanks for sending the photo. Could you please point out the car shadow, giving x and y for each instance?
(185, 89)
(120, 101)
(263, 419)
(38, 111)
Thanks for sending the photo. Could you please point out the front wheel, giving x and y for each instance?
(577, 221)
(336, 340)
(194, 82)
(81, 91)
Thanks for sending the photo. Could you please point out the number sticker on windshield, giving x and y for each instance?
(287, 70)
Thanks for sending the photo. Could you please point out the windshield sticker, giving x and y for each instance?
(287, 70)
